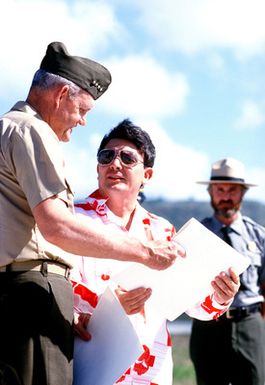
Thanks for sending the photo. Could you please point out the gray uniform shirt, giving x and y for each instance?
(248, 238)
(31, 170)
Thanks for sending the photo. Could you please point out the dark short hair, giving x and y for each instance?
(128, 131)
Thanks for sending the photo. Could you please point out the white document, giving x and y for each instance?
(188, 281)
(113, 348)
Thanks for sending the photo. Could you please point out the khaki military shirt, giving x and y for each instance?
(31, 170)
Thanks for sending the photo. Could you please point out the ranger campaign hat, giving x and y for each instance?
(86, 73)
(228, 170)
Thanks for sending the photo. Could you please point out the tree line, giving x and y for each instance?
(179, 212)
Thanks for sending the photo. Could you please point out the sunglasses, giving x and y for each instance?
(127, 158)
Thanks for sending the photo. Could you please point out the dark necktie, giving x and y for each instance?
(226, 237)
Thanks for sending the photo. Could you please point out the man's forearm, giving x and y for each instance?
(63, 229)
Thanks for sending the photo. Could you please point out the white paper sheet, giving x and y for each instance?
(188, 281)
(114, 346)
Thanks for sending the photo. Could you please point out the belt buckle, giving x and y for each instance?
(237, 313)
(244, 311)
(67, 272)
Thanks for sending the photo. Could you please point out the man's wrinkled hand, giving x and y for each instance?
(162, 254)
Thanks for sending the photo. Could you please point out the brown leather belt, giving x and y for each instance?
(241, 312)
(44, 266)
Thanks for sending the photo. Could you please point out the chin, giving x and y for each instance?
(66, 137)
(65, 140)
(227, 213)
(118, 188)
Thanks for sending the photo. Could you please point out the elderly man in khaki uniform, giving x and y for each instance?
(38, 228)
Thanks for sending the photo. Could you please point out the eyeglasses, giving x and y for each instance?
(128, 158)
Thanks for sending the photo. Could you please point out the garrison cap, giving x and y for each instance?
(86, 73)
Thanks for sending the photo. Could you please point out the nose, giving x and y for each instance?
(116, 163)
(226, 195)
(82, 121)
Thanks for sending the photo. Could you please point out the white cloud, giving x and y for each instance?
(142, 87)
(252, 116)
(216, 62)
(177, 167)
(176, 170)
(175, 173)
(81, 164)
(28, 26)
(192, 26)
(256, 175)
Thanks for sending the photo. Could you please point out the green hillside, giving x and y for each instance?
(178, 212)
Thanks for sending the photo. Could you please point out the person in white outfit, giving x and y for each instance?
(125, 159)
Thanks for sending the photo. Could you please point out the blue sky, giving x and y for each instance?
(190, 72)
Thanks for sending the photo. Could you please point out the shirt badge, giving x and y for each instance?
(252, 246)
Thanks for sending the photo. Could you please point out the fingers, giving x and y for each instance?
(162, 254)
(234, 276)
(133, 301)
(179, 249)
(226, 286)
(80, 325)
(161, 262)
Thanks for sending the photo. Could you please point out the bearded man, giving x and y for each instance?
(230, 350)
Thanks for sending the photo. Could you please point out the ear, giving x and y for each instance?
(61, 94)
(148, 173)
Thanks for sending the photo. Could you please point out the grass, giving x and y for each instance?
(183, 371)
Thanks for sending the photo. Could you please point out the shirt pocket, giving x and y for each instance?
(251, 275)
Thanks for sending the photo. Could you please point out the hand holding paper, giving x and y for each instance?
(113, 347)
(226, 286)
(133, 301)
(188, 281)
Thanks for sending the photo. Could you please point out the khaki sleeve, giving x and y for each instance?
(37, 164)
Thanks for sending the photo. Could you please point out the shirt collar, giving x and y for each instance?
(100, 204)
(28, 109)
(236, 226)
